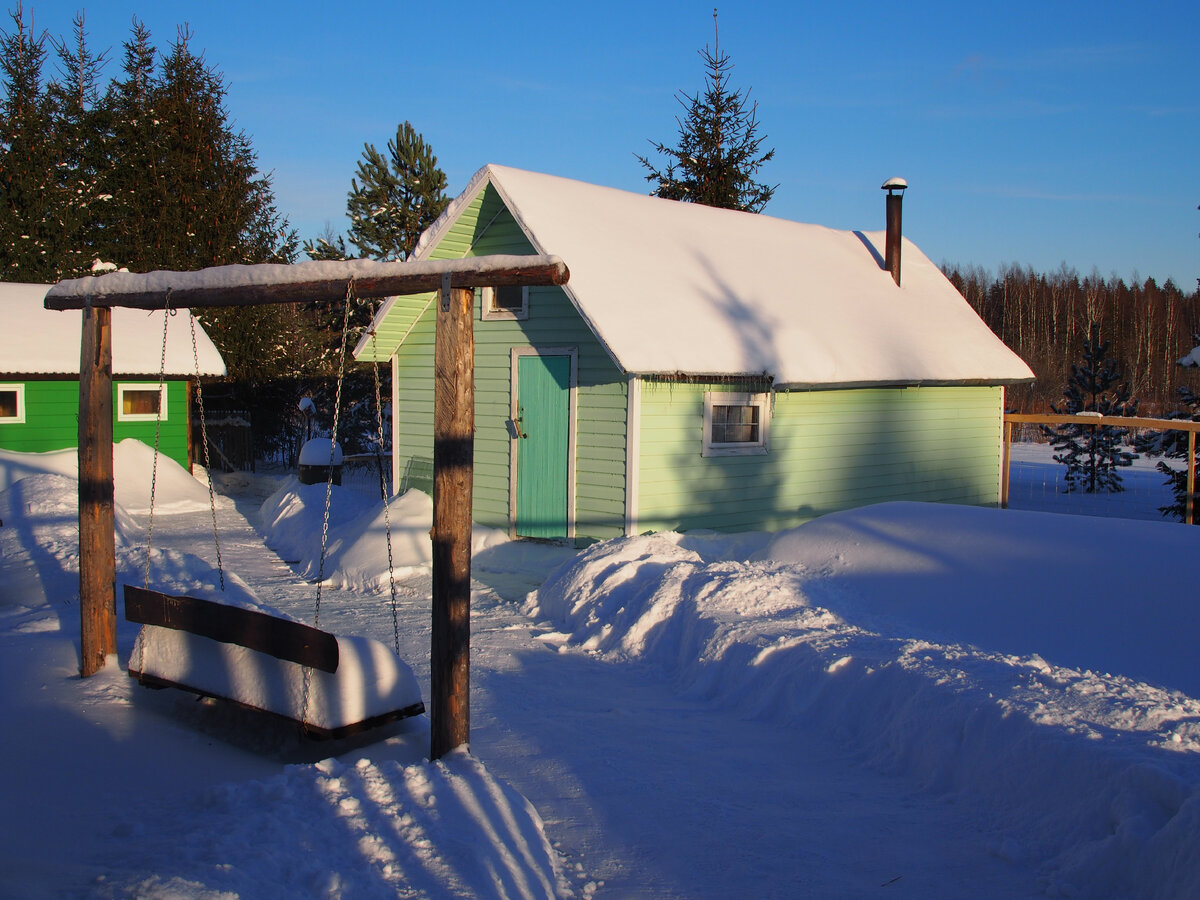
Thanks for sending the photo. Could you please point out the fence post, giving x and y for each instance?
(1005, 463)
(1190, 517)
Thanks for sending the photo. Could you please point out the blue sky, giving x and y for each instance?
(1038, 133)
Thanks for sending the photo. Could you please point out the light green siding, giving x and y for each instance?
(52, 419)
(486, 227)
(829, 450)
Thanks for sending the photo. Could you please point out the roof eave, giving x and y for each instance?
(862, 384)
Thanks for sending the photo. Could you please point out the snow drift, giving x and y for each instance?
(888, 629)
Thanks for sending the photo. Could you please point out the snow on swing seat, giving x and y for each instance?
(258, 661)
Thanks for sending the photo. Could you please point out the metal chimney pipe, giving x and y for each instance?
(891, 248)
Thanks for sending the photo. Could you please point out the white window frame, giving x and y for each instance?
(489, 311)
(123, 416)
(738, 448)
(19, 418)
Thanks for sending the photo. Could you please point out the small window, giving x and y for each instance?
(141, 402)
(506, 302)
(735, 424)
(12, 404)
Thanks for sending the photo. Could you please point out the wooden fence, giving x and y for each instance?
(1095, 420)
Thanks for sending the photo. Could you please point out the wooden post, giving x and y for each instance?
(97, 543)
(1191, 479)
(453, 460)
(1005, 462)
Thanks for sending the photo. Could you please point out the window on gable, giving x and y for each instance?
(506, 302)
(735, 424)
(141, 402)
(12, 403)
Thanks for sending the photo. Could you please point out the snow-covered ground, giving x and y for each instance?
(905, 700)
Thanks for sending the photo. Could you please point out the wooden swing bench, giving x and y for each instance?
(196, 629)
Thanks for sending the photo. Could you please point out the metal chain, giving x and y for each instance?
(387, 512)
(212, 497)
(337, 406)
(162, 375)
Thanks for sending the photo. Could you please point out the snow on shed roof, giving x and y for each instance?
(673, 287)
(39, 341)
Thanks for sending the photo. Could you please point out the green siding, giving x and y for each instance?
(52, 419)
(173, 439)
(829, 450)
(486, 227)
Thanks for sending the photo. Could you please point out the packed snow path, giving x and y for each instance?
(594, 745)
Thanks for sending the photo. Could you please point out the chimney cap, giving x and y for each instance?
(894, 184)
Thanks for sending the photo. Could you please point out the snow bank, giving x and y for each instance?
(1071, 588)
(356, 555)
(870, 627)
(40, 543)
(15, 465)
(176, 491)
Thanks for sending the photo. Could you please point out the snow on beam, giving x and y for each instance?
(303, 282)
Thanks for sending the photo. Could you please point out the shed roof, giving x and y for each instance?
(671, 287)
(39, 341)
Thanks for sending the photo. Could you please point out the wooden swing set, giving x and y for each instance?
(453, 452)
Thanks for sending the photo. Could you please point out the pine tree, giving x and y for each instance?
(1093, 454)
(327, 247)
(718, 154)
(395, 198)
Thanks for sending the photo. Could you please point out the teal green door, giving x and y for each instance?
(543, 439)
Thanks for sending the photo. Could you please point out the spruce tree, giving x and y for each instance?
(1174, 445)
(719, 151)
(30, 198)
(1093, 454)
(125, 220)
(81, 140)
(204, 203)
(394, 198)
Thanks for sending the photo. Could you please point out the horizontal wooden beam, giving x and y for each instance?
(1116, 421)
(319, 280)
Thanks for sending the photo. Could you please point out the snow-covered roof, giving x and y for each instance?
(672, 287)
(39, 341)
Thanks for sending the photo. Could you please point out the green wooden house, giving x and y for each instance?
(39, 375)
(703, 368)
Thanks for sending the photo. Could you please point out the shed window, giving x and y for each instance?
(735, 424)
(506, 302)
(141, 403)
(12, 403)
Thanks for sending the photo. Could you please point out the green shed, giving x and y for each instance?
(39, 375)
(703, 368)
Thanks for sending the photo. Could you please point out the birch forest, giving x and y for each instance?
(1046, 318)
